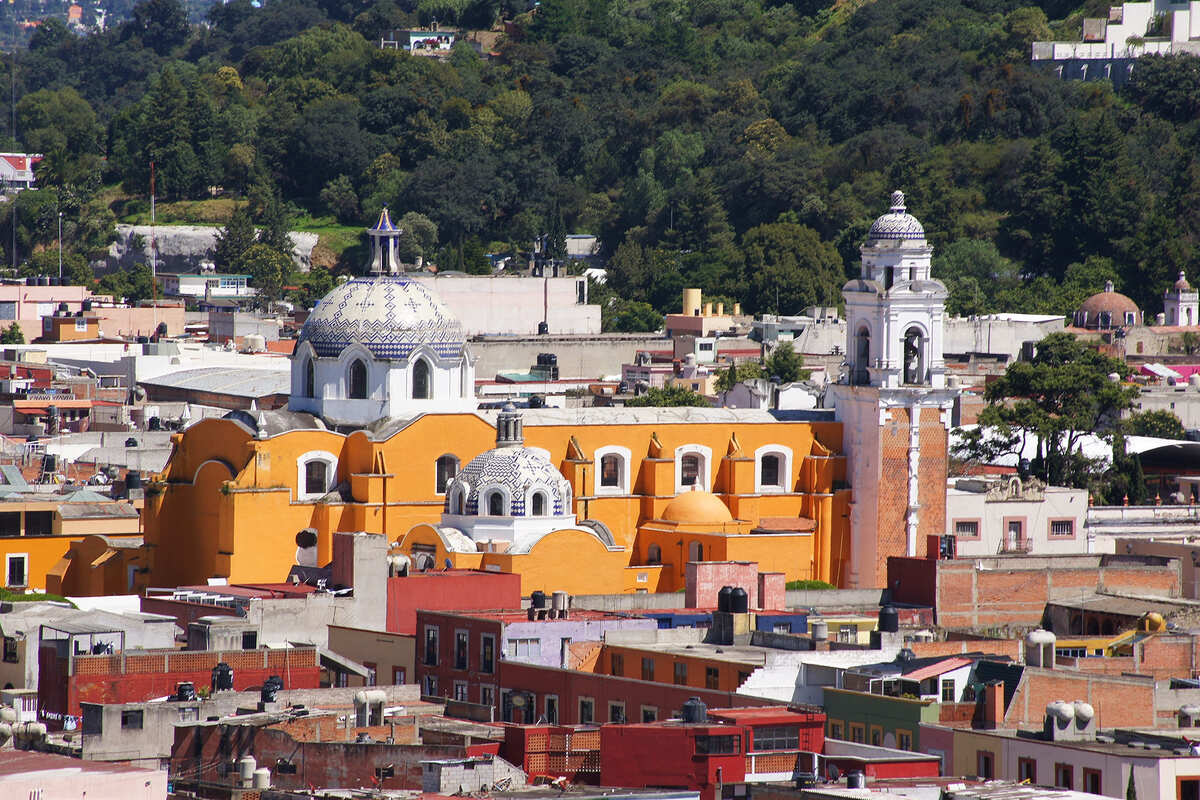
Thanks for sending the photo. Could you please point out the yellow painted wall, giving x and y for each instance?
(228, 508)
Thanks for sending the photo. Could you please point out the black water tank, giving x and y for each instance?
(694, 711)
(739, 601)
(889, 619)
(537, 599)
(185, 690)
(856, 780)
(133, 480)
(131, 442)
(270, 689)
(87, 305)
(543, 329)
(222, 677)
(723, 598)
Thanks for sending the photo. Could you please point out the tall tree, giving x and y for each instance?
(234, 240)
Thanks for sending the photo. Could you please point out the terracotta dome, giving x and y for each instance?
(1107, 309)
(1182, 284)
(703, 508)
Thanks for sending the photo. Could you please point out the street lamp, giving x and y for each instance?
(60, 248)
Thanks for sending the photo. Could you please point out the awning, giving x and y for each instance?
(338, 663)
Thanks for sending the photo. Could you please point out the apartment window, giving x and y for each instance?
(399, 676)
(712, 678)
(10, 523)
(39, 523)
(847, 634)
(487, 653)
(876, 736)
(858, 733)
(17, 569)
(431, 646)
(249, 640)
(617, 664)
(587, 710)
(131, 720)
(1091, 780)
(966, 528)
(81, 324)
(985, 765)
(460, 690)
(718, 745)
(835, 730)
(487, 695)
(1027, 770)
(680, 673)
(10, 650)
(777, 737)
(552, 709)
(372, 673)
(616, 711)
(1064, 528)
(1064, 776)
(431, 685)
(524, 648)
(649, 714)
(460, 649)
(647, 669)
(903, 740)
(948, 695)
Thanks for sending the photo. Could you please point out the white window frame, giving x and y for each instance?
(704, 478)
(644, 709)
(460, 691)
(557, 709)
(624, 481)
(785, 469)
(482, 509)
(546, 492)
(331, 463)
(11, 557)
(579, 710)
(617, 704)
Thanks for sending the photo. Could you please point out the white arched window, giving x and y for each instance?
(444, 472)
(316, 474)
(537, 504)
(356, 380)
(612, 464)
(693, 463)
(422, 386)
(772, 469)
(495, 503)
(310, 389)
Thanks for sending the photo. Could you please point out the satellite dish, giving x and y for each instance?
(518, 701)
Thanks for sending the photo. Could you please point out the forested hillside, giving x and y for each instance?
(733, 145)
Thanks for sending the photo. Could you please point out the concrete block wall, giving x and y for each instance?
(705, 578)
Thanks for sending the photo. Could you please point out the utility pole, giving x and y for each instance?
(60, 248)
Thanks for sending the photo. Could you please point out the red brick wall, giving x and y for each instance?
(1119, 701)
(892, 537)
(705, 579)
(1002, 647)
(933, 467)
(913, 581)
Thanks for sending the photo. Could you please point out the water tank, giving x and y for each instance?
(222, 677)
(560, 603)
(185, 690)
(270, 689)
(1194, 380)
(1061, 711)
(1040, 648)
(739, 601)
(5, 732)
(543, 329)
(889, 619)
(8, 714)
(131, 442)
(906, 654)
(256, 343)
(723, 598)
(246, 766)
(537, 599)
(856, 780)
(819, 629)
(694, 711)
(262, 778)
(133, 480)
(1084, 712)
(87, 305)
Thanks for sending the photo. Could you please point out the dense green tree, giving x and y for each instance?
(340, 199)
(12, 335)
(618, 315)
(788, 268)
(786, 364)
(234, 240)
(418, 237)
(1162, 424)
(738, 373)
(268, 269)
(669, 396)
(275, 230)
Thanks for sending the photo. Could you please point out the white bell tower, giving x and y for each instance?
(1181, 303)
(893, 398)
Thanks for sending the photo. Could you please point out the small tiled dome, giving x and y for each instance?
(518, 470)
(1107, 309)
(897, 225)
(1182, 284)
(391, 315)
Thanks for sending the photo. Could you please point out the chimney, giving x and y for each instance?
(993, 706)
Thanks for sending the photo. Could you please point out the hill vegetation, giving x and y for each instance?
(740, 146)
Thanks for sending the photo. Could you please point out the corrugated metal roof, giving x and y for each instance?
(253, 383)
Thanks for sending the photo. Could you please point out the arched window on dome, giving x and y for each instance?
(654, 554)
(358, 379)
(495, 504)
(309, 379)
(537, 504)
(421, 385)
(1104, 319)
(447, 468)
(695, 551)
(914, 356)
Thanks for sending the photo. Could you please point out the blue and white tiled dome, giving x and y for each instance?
(390, 314)
(897, 225)
(518, 470)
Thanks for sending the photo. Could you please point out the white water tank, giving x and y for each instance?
(246, 766)
(262, 778)
(1039, 648)
(1061, 711)
(255, 343)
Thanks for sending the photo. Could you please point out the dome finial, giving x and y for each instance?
(897, 202)
(1108, 286)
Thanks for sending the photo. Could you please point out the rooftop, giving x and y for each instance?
(24, 762)
(243, 382)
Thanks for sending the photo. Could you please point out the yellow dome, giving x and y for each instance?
(697, 508)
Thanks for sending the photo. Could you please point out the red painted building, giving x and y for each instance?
(448, 590)
(66, 679)
(701, 756)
